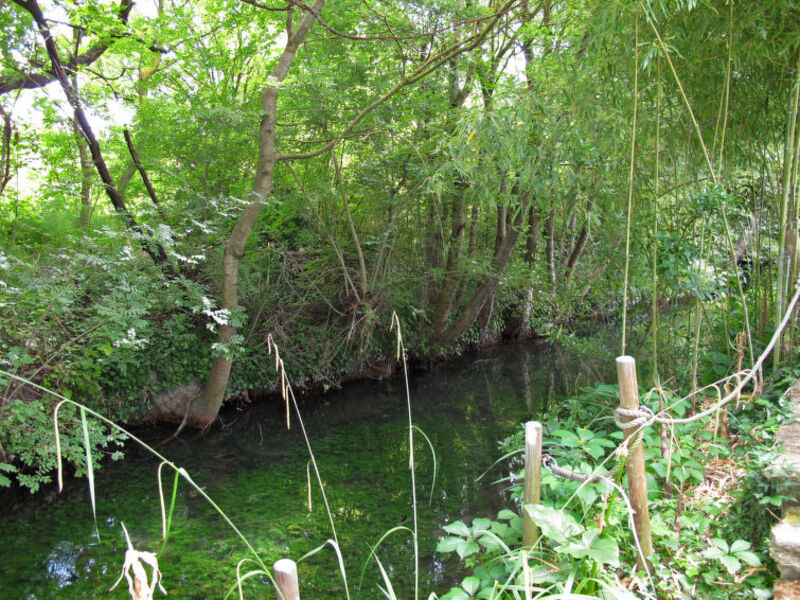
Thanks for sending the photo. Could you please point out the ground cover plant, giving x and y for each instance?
(711, 506)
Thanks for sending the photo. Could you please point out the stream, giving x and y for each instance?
(256, 471)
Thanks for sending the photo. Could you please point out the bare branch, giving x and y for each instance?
(141, 170)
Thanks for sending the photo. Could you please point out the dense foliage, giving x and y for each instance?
(182, 182)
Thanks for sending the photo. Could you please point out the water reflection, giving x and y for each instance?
(60, 564)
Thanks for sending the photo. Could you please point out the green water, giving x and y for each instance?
(256, 471)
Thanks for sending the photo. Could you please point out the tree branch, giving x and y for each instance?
(29, 81)
(423, 71)
(141, 170)
(154, 250)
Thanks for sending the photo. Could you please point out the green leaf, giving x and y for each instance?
(556, 525)
(471, 584)
(594, 451)
(449, 544)
(468, 549)
(714, 553)
(458, 528)
(604, 549)
(568, 438)
(721, 544)
(733, 565)
(481, 524)
(456, 594)
(506, 514)
(738, 546)
(750, 558)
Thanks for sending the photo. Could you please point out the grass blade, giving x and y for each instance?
(433, 456)
(59, 465)
(374, 549)
(339, 557)
(89, 469)
(166, 519)
(389, 591)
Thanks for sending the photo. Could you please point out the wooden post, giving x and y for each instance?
(533, 479)
(634, 465)
(286, 577)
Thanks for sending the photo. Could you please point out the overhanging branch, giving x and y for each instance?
(430, 65)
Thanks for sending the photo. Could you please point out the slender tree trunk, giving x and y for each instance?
(435, 247)
(551, 253)
(444, 302)
(783, 259)
(362, 265)
(472, 251)
(86, 177)
(205, 408)
(485, 315)
(125, 179)
(519, 324)
(487, 287)
(580, 245)
(5, 150)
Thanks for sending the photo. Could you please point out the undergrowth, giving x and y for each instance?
(711, 507)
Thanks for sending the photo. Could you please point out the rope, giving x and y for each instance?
(644, 417)
(551, 464)
(638, 417)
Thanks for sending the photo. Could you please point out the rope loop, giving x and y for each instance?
(629, 418)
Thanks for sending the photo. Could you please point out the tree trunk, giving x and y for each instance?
(5, 150)
(485, 314)
(86, 177)
(204, 409)
(580, 245)
(472, 251)
(518, 324)
(487, 287)
(551, 254)
(125, 179)
(444, 302)
(362, 265)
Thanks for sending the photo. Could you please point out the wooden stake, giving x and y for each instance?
(533, 479)
(286, 577)
(634, 465)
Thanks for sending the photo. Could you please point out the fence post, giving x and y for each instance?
(634, 465)
(533, 479)
(286, 577)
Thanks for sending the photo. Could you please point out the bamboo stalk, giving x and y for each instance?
(634, 465)
(788, 157)
(533, 480)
